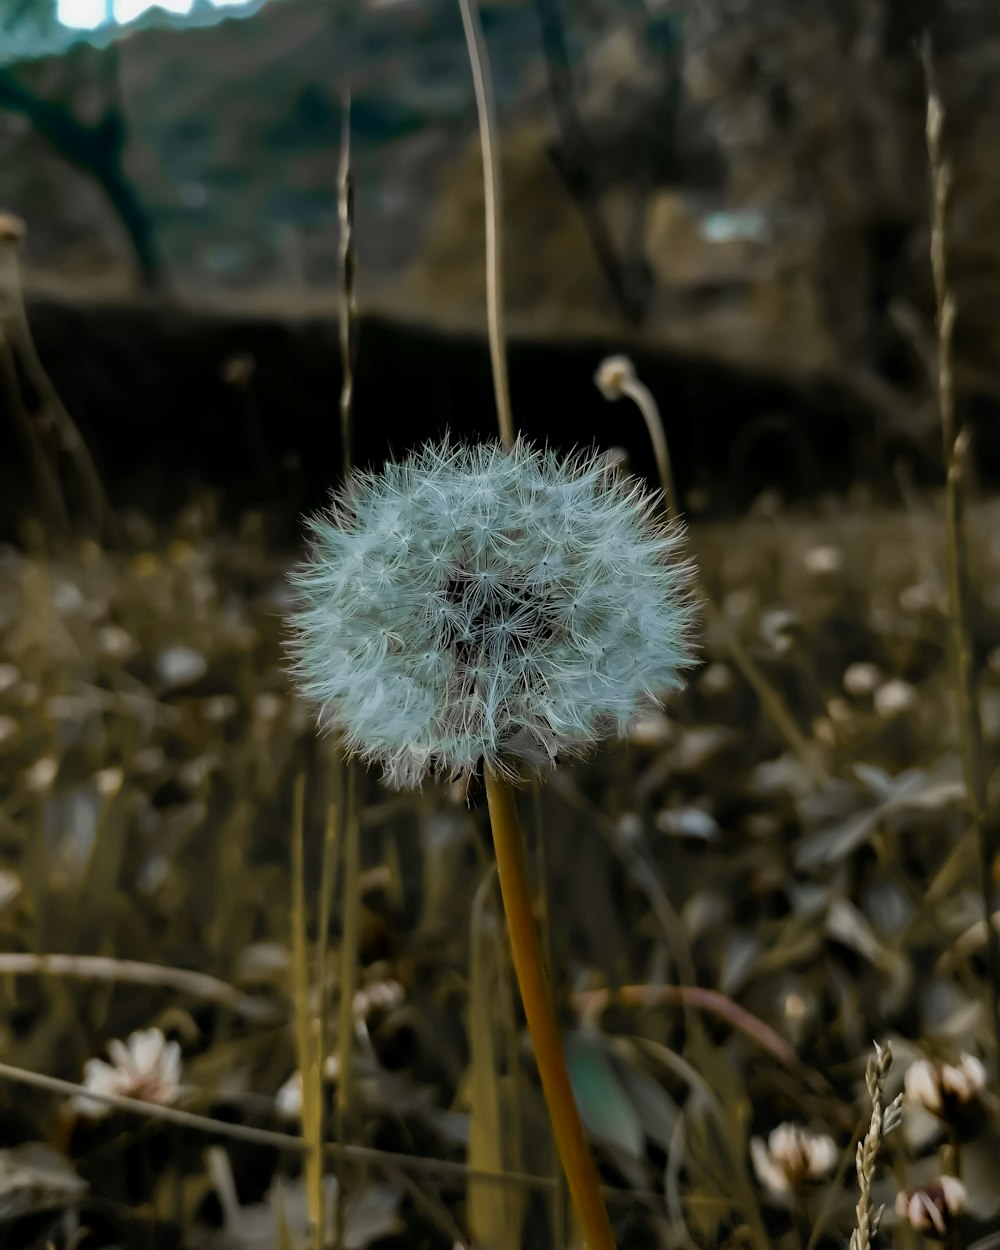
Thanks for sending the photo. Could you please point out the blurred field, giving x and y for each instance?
(150, 748)
(744, 900)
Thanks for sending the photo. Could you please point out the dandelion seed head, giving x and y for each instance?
(473, 604)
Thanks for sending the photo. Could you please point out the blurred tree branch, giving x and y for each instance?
(578, 158)
(97, 149)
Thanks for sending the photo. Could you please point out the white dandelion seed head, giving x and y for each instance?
(475, 604)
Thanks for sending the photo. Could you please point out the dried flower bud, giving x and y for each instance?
(932, 1208)
(613, 376)
(791, 1156)
(947, 1090)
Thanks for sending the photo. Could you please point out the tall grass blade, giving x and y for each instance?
(310, 1063)
(349, 957)
(489, 1214)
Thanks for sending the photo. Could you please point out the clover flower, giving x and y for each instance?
(933, 1208)
(947, 1090)
(147, 1066)
(791, 1156)
(475, 605)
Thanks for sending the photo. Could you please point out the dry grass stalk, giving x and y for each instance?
(104, 968)
(956, 446)
(883, 1121)
(494, 1215)
(349, 956)
(348, 299)
(307, 1034)
(486, 109)
(17, 332)
(289, 1143)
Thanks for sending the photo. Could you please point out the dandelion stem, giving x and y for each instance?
(581, 1173)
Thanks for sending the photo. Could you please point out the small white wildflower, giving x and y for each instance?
(108, 781)
(932, 1208)
(267, 705)
(688, 822)
(41, 774)
(147, 1066)
(379, 996)
(823, 560)
(288, 1099)
(774, 629)
(717, 678)
(893, 698)
(116, 643)
(178, 665)
(944, 1089)
(10, 675)
(650, 731)
(792, 1156)
(219, 707)
(861, 678)
(67, 598)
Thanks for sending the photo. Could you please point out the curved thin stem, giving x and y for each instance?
(577, 1161)
(486, 108)
(348, 300)
(132, 971)
(616, 378)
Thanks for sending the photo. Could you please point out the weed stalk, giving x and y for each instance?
(956, 447)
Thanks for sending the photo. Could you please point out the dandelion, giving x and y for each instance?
(147, 1066)
(792, 1156)
(476, 605)
(932, 1208)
